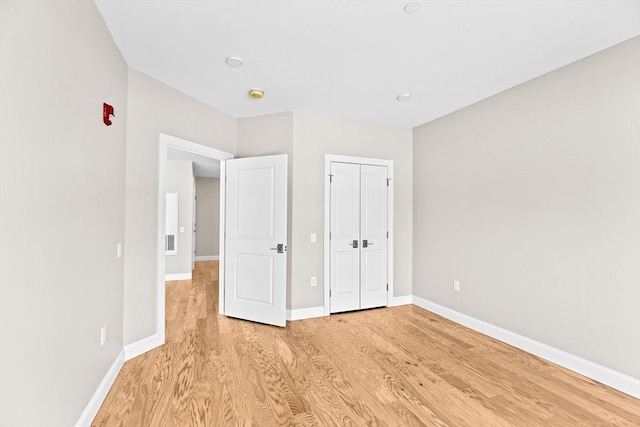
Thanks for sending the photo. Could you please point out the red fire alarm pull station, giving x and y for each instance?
(107, 112)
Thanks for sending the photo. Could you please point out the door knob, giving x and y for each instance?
(354, 244)
(366, 243)
(279, 248)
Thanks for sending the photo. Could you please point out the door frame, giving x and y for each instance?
(328, 158)
(165, 143)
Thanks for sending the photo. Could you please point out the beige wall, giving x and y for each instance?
(265, 135)
(208, 217)
(155, 108)
(180, 180)
(313, 137)
(531, 199)
(62, 196)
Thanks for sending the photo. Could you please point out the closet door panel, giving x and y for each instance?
(373, 231)
(345, 237)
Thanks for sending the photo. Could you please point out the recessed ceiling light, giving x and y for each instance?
(403, 97)
(412, 7)
(234, 61)
(256, 93)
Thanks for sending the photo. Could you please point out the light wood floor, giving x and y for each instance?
(400, 366)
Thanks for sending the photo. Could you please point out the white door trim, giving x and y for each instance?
(222, 234)
(166, 142)
(328, 158)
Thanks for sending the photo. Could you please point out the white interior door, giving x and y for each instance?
(358, 240)
(345, 237)
(256, 239)
(373, 231)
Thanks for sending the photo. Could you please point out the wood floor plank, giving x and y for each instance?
(400, 366)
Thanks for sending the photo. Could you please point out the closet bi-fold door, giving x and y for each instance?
(358, 236)
(345, 237)
(373, 233)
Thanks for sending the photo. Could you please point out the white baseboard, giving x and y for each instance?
(602, 374)
(305, 313)
(177, 276)
(141, 346)
(401, 300)
(208, 258)
(90, 411)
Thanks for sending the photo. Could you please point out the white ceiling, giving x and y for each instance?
(352, 58)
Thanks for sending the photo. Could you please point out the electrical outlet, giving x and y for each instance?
(314, 281)
(456, 285)
(119, 250)
(103, 335)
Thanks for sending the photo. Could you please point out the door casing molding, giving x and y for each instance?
(328, 159)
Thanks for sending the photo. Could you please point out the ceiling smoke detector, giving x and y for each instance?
(412, 8)
(234, 61)
(403, 97)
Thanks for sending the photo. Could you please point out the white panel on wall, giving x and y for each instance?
(171, 227)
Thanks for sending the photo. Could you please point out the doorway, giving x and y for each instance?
(177, 149)
(358, 233)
